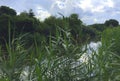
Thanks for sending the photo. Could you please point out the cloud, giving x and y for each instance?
(98, 9)
(85, 5)
(63, 6)
(95, 6)
(101, 10)
(90, 11)
(59, 4)
(41, 13)
(109, 3)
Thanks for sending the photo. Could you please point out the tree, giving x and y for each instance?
(75, 25)
(111, 23)
(31, 13)
(25, 22)
(74, 16)
(50, 25)
(7, 10)
(6, 25)
(24, 25)
(24, 14)
(98, 27)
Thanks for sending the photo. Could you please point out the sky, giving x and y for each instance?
(89, 11)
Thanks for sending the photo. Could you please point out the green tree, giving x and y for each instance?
(75, 25)
(50, 25)
(24, 14)
(111, 23)
(5, 23)
(98, 27)
(24, 24)
(31, 13)
(88, 34)
(7, 10)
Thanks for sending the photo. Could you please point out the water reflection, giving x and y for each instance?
(90, 48)
(93, 46)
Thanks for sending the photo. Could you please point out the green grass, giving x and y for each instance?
(59, 59)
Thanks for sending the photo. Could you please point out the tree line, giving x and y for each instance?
(14, 25)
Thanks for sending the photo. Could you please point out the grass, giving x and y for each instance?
(59, 60)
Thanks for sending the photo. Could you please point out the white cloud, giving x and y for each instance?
(90, 11)
(95, 20)
(59, 4)
(108, 3)
(65, 7)
(85, 4)
(95, 6)
(98, 9)
(41, 13)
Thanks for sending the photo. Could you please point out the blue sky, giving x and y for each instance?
(90, 11)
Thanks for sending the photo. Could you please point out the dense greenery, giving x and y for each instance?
(56, 49)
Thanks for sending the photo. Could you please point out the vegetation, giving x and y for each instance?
(56, 49)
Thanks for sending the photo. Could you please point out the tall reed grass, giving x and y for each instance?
(58, 60)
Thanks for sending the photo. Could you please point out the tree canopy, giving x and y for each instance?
(7, 10)
(25, 22)
(111, 23)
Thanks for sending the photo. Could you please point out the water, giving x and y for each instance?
(92, 46)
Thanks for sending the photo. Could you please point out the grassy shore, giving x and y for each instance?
(59, 60)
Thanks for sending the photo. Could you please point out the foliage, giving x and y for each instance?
(5, 21)
(46, 62)
(31, 13)
(24, 24)
(75, 25)
(112, 37)
(106, 60)
(7, 10)
(98, 27)
(13, 58)
(111, 23)
(56, 49)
